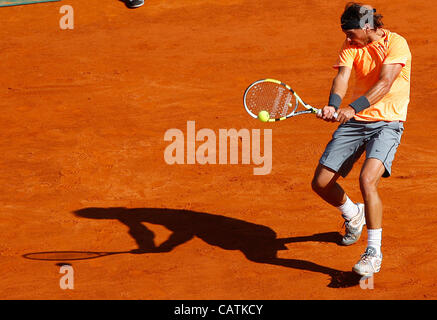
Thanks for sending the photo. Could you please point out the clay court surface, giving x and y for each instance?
(82, 170)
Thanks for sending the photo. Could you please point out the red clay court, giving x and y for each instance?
(84, 113)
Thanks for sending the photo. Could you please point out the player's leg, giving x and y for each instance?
(345, 147)
(325, 184)
(380, 152)
(337, 160)
(371, 173)
(370, 176)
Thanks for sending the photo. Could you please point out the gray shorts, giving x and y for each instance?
(379, 139)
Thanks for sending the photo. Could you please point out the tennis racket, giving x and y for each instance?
(277, 98)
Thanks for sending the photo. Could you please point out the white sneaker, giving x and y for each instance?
(354, 227)
(369, 263)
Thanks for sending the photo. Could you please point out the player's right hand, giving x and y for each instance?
(327, 114)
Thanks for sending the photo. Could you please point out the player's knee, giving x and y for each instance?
(318, 185)
(368, 183)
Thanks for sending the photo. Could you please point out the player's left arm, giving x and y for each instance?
(388, 75)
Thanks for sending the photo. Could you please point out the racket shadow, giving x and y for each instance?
(257, 242)
(68, 255)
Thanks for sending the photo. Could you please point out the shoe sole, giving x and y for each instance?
(364, 274)
(350, 243)
(134, 6)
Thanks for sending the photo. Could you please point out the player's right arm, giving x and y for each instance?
(339, 87)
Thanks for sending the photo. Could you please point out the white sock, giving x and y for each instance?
(374, 237)
(348, 209)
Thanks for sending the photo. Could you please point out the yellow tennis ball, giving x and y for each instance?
(263, 116)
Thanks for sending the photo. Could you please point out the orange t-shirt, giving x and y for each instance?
(367, 62)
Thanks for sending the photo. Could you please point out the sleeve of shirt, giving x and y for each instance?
(346, 57)
(398, 52)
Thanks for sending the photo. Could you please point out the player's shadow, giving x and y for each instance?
(257, 242)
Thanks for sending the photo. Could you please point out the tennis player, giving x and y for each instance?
(371, 122)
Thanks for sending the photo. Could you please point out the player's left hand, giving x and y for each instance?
(327, 114)
(345, 113)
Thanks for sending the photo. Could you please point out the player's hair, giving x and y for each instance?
(353, 12)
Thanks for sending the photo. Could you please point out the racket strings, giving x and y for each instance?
(270, 97)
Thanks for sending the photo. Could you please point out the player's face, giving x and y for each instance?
(356, 37)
